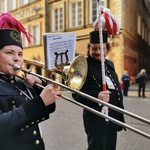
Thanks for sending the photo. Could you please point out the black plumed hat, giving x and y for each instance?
(10, 31)
(95, 38)
(10, 37)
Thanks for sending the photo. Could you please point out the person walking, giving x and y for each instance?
(126, 83)
(141, 77)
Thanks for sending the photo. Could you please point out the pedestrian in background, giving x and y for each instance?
(141, 78)
(126, 82)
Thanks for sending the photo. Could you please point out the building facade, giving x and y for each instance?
(31, 14)
(130, 49)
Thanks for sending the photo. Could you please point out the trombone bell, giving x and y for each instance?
(77, 73)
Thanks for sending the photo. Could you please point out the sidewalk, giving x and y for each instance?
(129, 140)
(65, 129)
(133, 90)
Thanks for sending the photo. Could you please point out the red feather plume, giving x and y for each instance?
(7, 21)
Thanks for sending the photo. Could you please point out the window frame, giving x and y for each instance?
(24, 39)
(60, 15)
(12, 5)
(37, 40)
(77, 19)
(24, 2)
(139, 24)
(92, 17)
(4, 6)
(52, 15)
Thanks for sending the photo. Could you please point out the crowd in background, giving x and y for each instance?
(140, 80)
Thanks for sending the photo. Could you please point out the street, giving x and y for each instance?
(65, 131)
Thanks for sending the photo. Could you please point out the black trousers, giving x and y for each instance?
(141, 87)
(102, 141)
(125, 90)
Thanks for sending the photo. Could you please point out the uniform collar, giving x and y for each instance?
(7, 78)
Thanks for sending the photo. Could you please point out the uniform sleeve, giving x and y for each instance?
(28, 114)
(10, 120)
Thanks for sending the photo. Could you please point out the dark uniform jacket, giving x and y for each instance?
(92, 86)
(20, 115)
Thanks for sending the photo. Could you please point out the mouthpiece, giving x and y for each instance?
(16, 67)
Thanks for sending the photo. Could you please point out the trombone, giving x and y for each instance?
(123, 111)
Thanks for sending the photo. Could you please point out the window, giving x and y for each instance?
(3, 6)
(93, 10)
(139, 24)
(32, 1)
(35, 31)
(76, 14)
(12, 5)
(143, 28)
(24, 39)
(24, 2)
(58, 19)
(57, 15)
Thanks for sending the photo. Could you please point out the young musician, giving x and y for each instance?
(22, 106)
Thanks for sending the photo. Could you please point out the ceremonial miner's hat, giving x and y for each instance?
(10, 31)
(95, 36)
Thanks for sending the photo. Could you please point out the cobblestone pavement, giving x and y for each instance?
(64, 130)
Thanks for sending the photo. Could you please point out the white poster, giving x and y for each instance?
(58, 48)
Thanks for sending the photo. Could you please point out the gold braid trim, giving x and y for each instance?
(16, 36)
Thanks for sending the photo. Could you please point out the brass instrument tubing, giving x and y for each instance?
(123, 111)
(97, 101)
(104, 116)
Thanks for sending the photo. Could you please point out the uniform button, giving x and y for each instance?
(38, 121)
(27, 126)
(12, 81)
(32, 122)
(37, 142)
(21, 93)
(22, 129)
(34, 132)
(13, 102)
(26, 98)
(43, 118)
(14, 106)
(112, 79)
